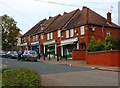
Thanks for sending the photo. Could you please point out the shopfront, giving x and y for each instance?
(35, 46)
(50, 48)
(24, 46)
(67, 46)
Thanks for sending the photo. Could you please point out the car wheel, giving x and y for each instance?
(35, 60)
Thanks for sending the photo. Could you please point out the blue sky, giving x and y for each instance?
(28, 12)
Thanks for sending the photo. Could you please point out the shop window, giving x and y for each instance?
(82, 31)
(47, 36)
(71, 33)
(59, 34)
(67, 33)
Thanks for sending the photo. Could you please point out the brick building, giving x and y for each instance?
(61, 34)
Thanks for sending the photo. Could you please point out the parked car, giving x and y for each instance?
(30, 55)
(12, 54)
(2, 53)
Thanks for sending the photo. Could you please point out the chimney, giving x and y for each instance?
(50, 17)
(109, 17)
(65, 13)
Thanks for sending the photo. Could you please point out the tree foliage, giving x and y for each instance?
(9, 32)
(99, 46)
(108, 42)
(92, 44)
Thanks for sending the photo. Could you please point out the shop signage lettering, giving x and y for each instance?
(49, 42)
(69, 40)
(35, 43)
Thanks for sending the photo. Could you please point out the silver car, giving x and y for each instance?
(30, 55)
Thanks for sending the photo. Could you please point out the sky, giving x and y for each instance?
(27, 13)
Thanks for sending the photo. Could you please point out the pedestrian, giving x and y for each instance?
(19, 55)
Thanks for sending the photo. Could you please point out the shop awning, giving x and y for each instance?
(66, 43)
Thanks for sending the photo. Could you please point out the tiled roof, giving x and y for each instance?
(46, 23)
(61, 21)
(70, 20)
(29, 32)
(87, 16)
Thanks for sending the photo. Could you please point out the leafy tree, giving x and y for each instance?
(99, 46)
(92, 44)
(9, 32)
(108, 42)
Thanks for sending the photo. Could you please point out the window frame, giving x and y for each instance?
(71, 32)
(82, 30)
(67, 33)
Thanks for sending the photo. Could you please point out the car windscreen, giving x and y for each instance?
(32, 52)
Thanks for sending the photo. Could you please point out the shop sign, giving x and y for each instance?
(24, 44)
(49, 42)
(69, 40)
(35, 43)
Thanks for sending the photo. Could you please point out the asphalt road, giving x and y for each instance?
(41, 67)
(63, 75)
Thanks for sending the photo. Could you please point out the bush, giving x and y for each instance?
(99, 46)
(92, 44)
(20, 78)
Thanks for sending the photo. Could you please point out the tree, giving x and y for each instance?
(9, 32)
(108, 42)
(99, 46)
(92, 44)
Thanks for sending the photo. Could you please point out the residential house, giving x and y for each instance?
(61, 34)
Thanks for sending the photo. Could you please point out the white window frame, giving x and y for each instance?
(36, 37)
(59, 33)
(42, 36)
(67, 33)
(28, 38)
(82, 30)
(48, 37)
(51, 35)
(108, 33)
(33, 38)
(71, 32)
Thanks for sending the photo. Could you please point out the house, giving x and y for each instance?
(61, 34)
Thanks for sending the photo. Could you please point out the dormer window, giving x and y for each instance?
(42, 26)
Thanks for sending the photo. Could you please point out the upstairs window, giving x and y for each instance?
(51, 35)
(28, 38)
(42, 26)
(108, 32)
(71, 33)
(67, 33)
(33, 38)
(82, 31)
(36, 37)
(59, 34)
(48, 36)
(42, 36)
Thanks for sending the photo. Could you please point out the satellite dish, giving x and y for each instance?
(92, 28)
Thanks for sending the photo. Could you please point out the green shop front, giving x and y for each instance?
(67, 46)
(50, 48)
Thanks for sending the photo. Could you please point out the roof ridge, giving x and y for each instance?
(70, 19)
(53, 21)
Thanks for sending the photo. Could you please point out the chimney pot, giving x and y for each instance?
(50, 17)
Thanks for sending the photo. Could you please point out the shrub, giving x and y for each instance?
(21, 78)
(91, 47)
(99, 46)
(116, 44)
(108, 42)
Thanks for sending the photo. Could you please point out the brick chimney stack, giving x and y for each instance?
(109, 17)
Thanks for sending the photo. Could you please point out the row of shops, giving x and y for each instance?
(63, 49)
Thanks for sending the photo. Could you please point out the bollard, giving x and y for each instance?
(57, 58)
(44, 56)
(49, 56)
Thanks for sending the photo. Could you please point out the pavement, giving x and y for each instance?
(78, 63)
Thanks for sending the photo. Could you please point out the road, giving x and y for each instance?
(63, 75)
